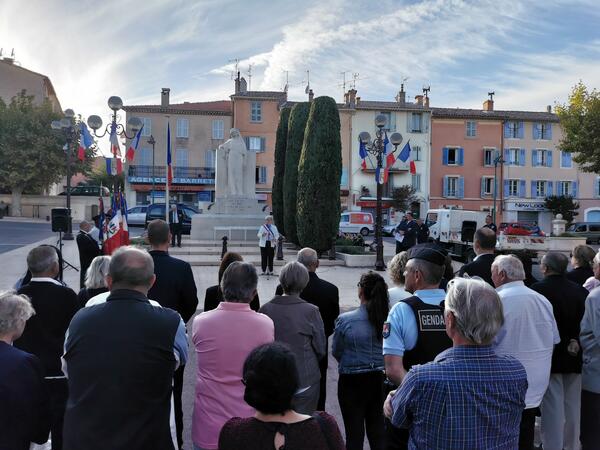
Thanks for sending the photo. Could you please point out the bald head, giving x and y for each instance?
(484, 240)
(131, 268)
(84, 225)
(554, 263)
(308, 258)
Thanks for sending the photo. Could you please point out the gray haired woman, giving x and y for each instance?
(95, 279)
(24, 414)
(299, 325)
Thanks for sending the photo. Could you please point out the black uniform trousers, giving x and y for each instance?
(267, 253)
(58, 392)
(175, 229)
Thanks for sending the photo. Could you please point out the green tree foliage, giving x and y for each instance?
(564, 205)
(280, 145)
(31, 153)
(319, 175)
(403, 197)
(580, 122)
(295, 138)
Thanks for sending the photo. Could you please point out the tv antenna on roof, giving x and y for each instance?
(250, 76)
(235, 72)
(287, 80)
(307, 89)
(426, 90)
(491, 95)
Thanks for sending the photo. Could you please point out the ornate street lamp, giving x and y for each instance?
(377, 148)
(66, 126)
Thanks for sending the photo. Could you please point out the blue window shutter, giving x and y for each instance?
(597, 187)
(535, 131)
(534, 158)
(461, 187)
(533, 188)
(563, 159)
(549, 158)
(247, 140)
(521, 156)
(482, 187)
(461, 156)
(521, 132)
(506, 188)
(574, 189)
(549, 125)
(558, 188)
(549, 188)
(445, 156)
(507, 129)
(262, 144)
(506, 157)
(445, 187)
(522, 188)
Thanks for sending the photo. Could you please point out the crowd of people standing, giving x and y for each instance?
(433, 362)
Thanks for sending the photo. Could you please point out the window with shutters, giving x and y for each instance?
(183, 126)
(388, 121)
(261, 175)
(255, 143)
(545, 131)
(452, 156)
(513, 188)
(512, 129)
(566, 161)
(471, 128)
(452, 187)
(256, 112)
(416, 153)
(564, 188)
(489, 154)
(514, 158)
(416, 181)
(487, 187)
(541, 188)
(544, 158)
(416, 123)
(147, 122)
(209, 158)
(218, 129)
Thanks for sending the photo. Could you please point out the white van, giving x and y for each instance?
(357, 222)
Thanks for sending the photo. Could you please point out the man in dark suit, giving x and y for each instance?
(561, 403)
(175, 224)
(88, 250)
(489, 223)
(24, 414)
(44, 335)
(174, 288)
(326, 297)
(422, 232)
(409, 232)
(484, 245)
(120, 357)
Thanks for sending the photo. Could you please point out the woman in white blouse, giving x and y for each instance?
(268, 236)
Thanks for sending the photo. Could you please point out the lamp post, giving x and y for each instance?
(497, 160)
(377, 148)
(151, 141)
(66, 126)
(95, 123)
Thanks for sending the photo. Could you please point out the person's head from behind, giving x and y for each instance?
(596, 266)
(239, 282)
(484, 241)
(131, 268)
(488, 219)
(373, 293)
(527, 262)
(554, 263)
(473, 312)
(424, 269)
(409, 216)
(420, 221)
(308, 258)
(506, 269)
(95, 277)
(270, 375)
(15, 310)
(293, 278)
(42, 261)
(228, 258)
(396, 268)
(582, 256)
(85, 226)
(159, 234)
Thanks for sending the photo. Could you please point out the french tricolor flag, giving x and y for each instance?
(85, 141)
(169, 168)
(134, 145)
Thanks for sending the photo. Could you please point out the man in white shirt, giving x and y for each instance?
(529, 335)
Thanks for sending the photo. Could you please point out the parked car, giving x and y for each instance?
(91, 191)
(157, 211)
(589, 230)
(137, 215)
(356, 222)
(520, 229)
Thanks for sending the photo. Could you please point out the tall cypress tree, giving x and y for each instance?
(295, 138)
(319, 173)
(280, 145)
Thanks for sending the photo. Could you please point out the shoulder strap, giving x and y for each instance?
(323, 427)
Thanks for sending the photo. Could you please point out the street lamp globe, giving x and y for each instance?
(380, 120)
(115, 103)
(396, 138)
(135, 124)
(55, 125)
(65, 123)
(69, 113)
(94, 122)
(364, 137)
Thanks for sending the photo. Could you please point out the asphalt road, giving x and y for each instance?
(18, 234)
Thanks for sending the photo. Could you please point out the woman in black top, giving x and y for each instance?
(95, 282)
(214, 296)
(581, 260)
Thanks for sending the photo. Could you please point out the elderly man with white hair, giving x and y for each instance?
(468, 397)
(529, 334)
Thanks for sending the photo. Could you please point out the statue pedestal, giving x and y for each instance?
(238, 218)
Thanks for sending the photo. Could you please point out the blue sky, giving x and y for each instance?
(529, 52)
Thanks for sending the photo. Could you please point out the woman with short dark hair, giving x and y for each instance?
(214, 296)
(271, 379)
(581, 260)
(357, 345)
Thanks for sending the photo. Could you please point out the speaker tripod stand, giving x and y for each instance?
(63, 262)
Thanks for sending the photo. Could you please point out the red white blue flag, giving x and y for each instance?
(169, 168)
(85, 140)
(134, 145)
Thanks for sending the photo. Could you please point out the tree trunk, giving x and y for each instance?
(15, 206)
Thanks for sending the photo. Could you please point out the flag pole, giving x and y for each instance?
(167, 173)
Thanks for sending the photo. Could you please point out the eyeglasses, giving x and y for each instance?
(359, 284)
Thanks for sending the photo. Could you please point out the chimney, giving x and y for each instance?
(401, 97)
(237, 83)
(426, 102)
(164, 97)
(311, 95)
(419, 100)
(549, 108)
(352, 98)
(488, 105)
(357, 100)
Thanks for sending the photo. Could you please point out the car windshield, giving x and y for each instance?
(431, 219)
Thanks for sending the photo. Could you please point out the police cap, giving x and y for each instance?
(428, 252)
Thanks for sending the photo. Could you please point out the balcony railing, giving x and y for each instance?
(181, 175)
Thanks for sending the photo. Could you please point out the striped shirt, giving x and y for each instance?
(467, 398)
